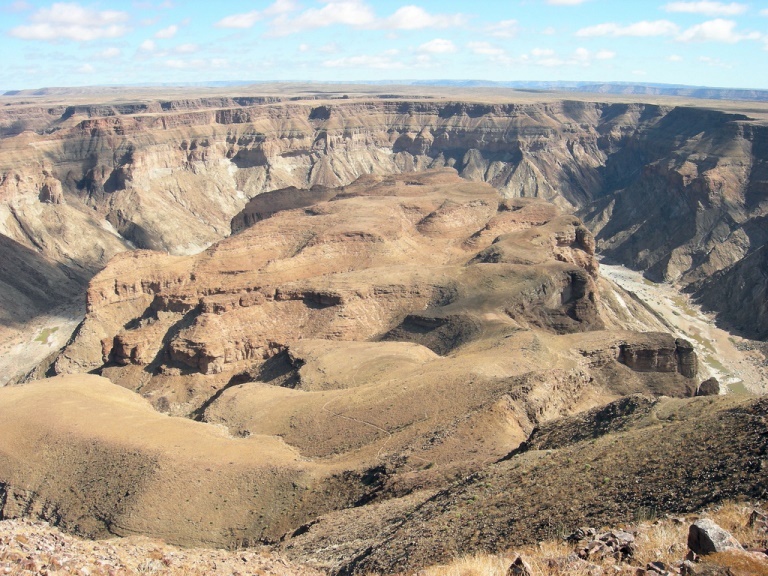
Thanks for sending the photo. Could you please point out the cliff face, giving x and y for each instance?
(740, 295)
(679, 192)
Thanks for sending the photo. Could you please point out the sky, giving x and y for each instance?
(699, 42)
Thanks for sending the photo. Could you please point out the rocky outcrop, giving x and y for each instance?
(51, 192)
(662, 354)
(709, 387)
(313, 272)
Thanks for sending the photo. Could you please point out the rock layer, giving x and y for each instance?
(677, 191)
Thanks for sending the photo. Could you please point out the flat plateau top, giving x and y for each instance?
(325, 93)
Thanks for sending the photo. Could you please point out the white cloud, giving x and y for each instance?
(86, 69)
(414, 18)
(565, 2)
(19, 6)
(542, 52)
(148, 46)
(70, 21)
(248, 19)
(764, 12)
(186, 48)
(109, 53)
(281, 7)
(581, 54)
(503, 29)
(358, 14)
(549, 31)
(380, 62)
(438, 46)
(639, 29)
(717, 30)
(168, 4)
(329, 48)
(707, 8)
(580, 57)
(348, 12)
(485, 49)
(197, 64)
(169, 32)
(675, 58)
(715, 62)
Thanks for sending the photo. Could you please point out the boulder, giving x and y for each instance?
(706, 537)
(709, 387)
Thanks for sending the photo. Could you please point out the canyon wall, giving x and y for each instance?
(679, 192)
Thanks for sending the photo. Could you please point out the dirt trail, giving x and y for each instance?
(734, 361)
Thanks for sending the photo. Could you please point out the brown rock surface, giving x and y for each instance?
(37, 548)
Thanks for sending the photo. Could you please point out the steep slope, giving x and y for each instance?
(608, 466)
(740, 294)
(96, 459)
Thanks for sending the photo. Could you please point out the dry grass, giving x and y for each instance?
(660, 541)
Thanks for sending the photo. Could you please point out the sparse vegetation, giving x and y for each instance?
(682, 304)
(45, 333)
(663, 540)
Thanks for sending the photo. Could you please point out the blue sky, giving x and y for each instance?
(107, 42)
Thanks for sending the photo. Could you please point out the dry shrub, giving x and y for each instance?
(735, 518)
(740, 563)
(476, 565)
(664, 541)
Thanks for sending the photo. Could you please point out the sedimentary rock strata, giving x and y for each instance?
(674, 190)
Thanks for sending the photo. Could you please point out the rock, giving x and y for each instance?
(731, 562)
(51, 191)
(759, 520)
(657, 568)
(660, 353)
(687, 361)
(706, 537)
(709, 387)
(581, 534)
(519, 567)
(616, 543)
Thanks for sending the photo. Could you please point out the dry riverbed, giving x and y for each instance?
(737, 363)
(23, 348)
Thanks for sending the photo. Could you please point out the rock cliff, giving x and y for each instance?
(677, 191)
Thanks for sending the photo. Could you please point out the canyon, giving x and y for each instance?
(343, 322)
